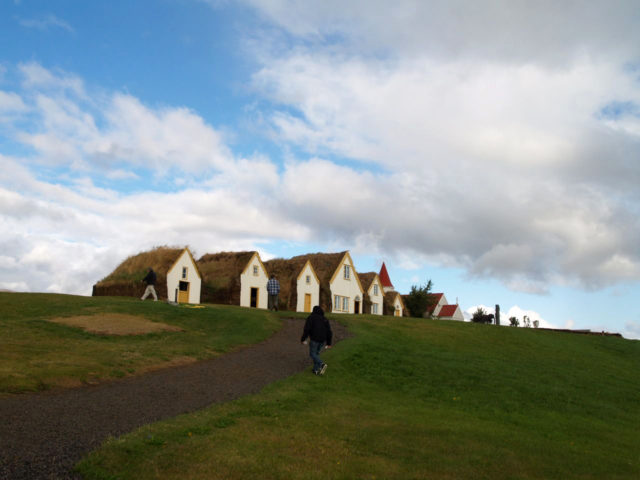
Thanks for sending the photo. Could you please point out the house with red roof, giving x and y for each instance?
(440, 309)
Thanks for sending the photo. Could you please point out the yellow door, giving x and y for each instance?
(307, 302)
(183, 292)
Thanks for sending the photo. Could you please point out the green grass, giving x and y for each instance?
(36, 354)
(414, 399)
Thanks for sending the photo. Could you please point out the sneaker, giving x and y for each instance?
(323, 369)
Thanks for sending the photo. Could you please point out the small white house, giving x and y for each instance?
(253, 284)
(394, 304)
(340, 288)
(234, 278)
(374, 296)
(299, 283)
(308, 288)
(347, 294)
(183, 279)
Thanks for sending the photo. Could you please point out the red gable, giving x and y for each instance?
(447, 310)
(384, 277)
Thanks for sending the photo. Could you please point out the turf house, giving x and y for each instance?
(340, 288)
(393, 304)
(178, 278)
(374, 294)
(234, 278)
(299, 283)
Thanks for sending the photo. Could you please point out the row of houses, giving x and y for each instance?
(240, 278)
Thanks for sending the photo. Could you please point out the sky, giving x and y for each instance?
(492, 147)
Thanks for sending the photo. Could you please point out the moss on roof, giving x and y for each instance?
(135, 267)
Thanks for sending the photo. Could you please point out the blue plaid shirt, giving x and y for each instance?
(273, 287)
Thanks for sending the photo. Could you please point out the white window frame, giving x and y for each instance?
(345, 304)
(255, 270)
(375, 289)
(308, 279)
(374, 308)
(185, 272)
(347, 273)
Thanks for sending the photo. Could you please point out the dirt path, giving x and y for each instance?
(43, 435)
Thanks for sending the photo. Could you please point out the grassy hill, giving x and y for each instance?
(39, 354)
(402, 399)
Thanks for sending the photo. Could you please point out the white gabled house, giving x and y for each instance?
(437, 301)
(299, 283)
(234, 278)
(183, 279)
(308, 289)
(340, 288)
(374, 293)
(442, 310)
(253, 284)
(393, 304)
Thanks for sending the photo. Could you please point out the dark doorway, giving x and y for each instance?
(356, 306)
(253, 303)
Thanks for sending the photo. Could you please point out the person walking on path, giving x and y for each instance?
(273, 289)
(150, 280)
(318, 330)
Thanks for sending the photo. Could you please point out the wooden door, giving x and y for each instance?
(307, 302)
(183, 292)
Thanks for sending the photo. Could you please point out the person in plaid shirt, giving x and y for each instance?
(273, 289)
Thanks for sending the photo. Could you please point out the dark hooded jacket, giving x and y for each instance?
(317, 327)
(150, 279)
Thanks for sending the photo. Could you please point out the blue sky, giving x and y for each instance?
(490, 147)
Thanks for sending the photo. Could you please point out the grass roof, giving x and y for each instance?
(366, 279)
(287, 271)
(134, 268)
(325, 265)
(224, 268)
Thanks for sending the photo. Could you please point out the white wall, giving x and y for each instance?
(174, 276)
(376, 299)
(249, 280)
(346, 287)
(313, 288)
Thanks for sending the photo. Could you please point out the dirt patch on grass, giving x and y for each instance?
(115, 324)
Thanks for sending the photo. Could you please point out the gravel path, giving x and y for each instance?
(43, 435)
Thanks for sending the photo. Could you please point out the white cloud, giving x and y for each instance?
(11, 102)
(495, 161)
(445, 29)
(36, 76)
(46, 22)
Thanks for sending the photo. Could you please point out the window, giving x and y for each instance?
(308, 279)
(340, 304)
(184, 272)
(255, 270)
(375, 289)
(374, 308)
(346, 272)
